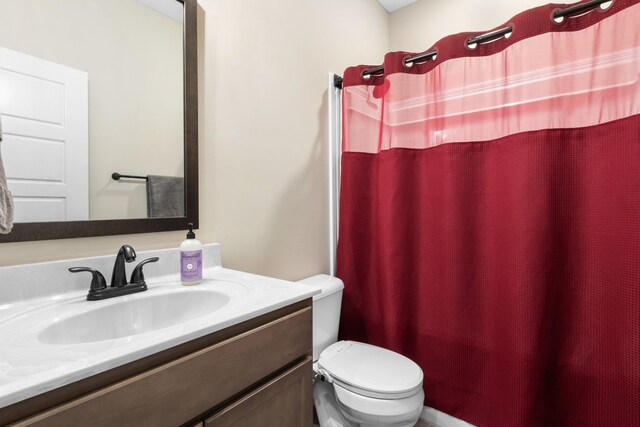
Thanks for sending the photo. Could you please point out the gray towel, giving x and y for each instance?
(6, 199)
(165, 196)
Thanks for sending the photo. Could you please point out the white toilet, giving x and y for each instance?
(358, 385)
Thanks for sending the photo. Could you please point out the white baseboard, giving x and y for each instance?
(441, 419)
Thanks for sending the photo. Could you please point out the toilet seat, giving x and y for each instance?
(370, 371)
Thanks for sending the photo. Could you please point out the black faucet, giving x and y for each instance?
(119, 286)
(119, 276)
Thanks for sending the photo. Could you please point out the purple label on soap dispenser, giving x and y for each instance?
(191, 265)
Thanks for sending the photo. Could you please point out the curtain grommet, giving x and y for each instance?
(405, 64)
(510, 33)
(490, 37)
(424, 61)
(554, 20)
(372, 73)
(606, 8)
(470, 46)
(602, 7)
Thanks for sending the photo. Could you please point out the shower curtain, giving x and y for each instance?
(490, 219)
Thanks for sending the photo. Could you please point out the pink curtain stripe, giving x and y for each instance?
(554, 80)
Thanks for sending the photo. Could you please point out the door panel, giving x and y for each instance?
(44, 109)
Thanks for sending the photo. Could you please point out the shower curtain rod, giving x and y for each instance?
(484, 38)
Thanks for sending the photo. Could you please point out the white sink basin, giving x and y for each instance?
(122, 318)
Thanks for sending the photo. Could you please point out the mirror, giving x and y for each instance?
(90, 89)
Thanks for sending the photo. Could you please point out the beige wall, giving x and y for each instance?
(263, 136)
(420, 25)
(264, 139)
(133, 57)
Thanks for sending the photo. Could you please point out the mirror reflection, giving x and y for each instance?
(89, 88)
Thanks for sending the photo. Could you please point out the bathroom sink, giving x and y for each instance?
(133, 316)
(51, 336)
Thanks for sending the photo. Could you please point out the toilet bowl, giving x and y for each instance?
(357, 384)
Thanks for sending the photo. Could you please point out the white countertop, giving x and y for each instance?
(29, 367)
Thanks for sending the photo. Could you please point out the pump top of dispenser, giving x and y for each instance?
(191, 234)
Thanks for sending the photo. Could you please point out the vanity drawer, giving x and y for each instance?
(187, 387)
(285, 401)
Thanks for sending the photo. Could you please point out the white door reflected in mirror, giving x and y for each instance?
(45, 116)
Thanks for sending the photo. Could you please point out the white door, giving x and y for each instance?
(44, 108)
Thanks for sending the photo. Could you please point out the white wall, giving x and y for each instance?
(263, 136)
(420, 25)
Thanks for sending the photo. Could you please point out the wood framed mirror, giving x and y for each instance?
(48, 230)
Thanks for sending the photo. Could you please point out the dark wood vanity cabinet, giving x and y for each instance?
(257, 373)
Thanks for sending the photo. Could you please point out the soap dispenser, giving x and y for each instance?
(191, 259)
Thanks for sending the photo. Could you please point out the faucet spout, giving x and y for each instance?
(119, 276)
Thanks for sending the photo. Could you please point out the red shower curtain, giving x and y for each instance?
(490, 219)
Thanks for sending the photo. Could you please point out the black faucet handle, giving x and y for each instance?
(137, 276)
(97, 281)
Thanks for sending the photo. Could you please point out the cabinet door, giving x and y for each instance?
(285, 401)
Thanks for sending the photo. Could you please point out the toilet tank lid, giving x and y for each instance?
(328, 284)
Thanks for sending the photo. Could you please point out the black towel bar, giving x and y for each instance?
(116, 176)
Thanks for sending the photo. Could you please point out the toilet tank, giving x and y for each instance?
(326, 311)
